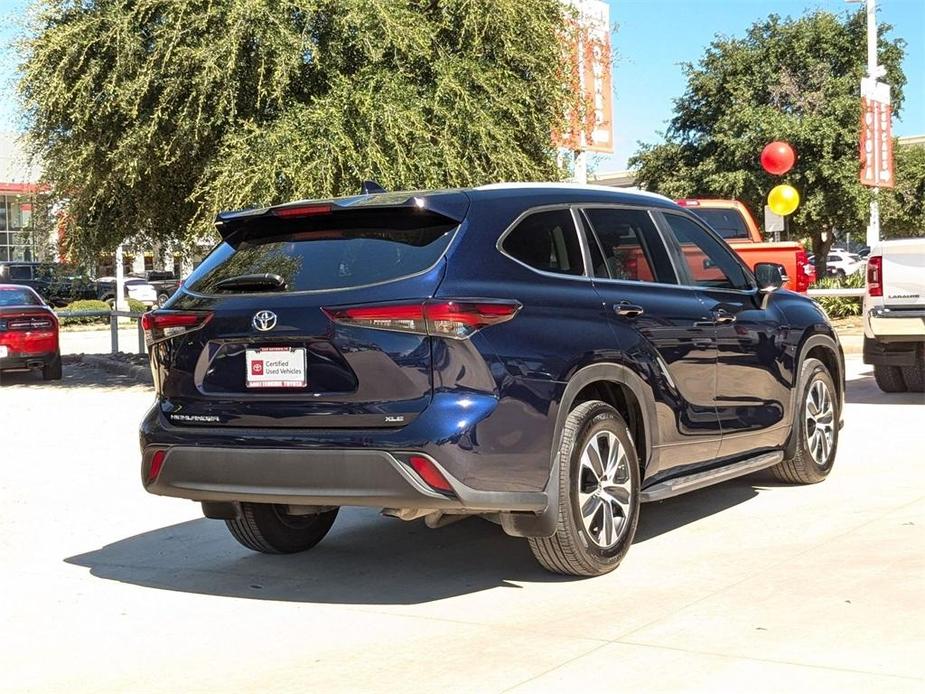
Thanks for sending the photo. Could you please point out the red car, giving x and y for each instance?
(28, 333)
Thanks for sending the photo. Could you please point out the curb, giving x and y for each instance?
(137, 373)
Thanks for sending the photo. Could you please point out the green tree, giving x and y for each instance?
(795, 80)
(150, 116)
(902, 209)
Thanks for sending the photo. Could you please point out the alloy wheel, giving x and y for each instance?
(604, 489)
(820, 422)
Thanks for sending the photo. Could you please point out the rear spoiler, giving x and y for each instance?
(450, 204)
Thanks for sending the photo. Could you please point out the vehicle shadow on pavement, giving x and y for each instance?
(864, 391)
(365, 559)
(76, 375)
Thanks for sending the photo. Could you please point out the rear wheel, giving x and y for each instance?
(52, 370)
(914, 376)
(271, 529)
(598, 504)
(889, 379)
(815, 428)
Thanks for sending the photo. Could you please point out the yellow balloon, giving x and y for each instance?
(783, 199)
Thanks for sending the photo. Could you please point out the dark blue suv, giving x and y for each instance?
(546, 356)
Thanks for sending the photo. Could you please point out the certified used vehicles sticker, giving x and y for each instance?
(276, 367)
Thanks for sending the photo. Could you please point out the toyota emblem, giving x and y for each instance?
(264, 320)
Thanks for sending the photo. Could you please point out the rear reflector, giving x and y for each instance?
(454, 319)
(157, 462)
(429, 472)
(875, 275)
(301, 210)
(160, 325)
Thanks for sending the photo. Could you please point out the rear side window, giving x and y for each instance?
(20, 272)
(632, 248)
(331, 251)
(15, 296)
(546, 241)
(727, 223)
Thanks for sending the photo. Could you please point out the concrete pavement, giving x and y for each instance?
(750, 585)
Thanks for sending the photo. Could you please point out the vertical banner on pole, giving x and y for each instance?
(589, 126)
(876, 134)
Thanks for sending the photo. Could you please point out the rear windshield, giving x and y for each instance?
(727, 223)
(331, 251)
(18, 296)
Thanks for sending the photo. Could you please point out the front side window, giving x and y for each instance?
(546, 241)
(632, 249)
(708, 262)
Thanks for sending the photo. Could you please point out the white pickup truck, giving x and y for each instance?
(894, 315)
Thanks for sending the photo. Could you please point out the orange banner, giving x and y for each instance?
(876, 136)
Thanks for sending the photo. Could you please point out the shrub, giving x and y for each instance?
(841, 306)
(135, 306)
(85, 305)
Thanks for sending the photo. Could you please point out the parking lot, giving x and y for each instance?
(749, 585)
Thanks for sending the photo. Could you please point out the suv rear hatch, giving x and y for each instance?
(252, 339)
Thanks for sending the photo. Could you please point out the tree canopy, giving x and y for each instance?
(152, 115)
(795, 80)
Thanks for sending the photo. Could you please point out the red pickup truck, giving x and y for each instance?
(732, 220)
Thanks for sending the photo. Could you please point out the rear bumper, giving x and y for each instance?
(895, 325)
(22, 362)
(886, 352)
(342, 477)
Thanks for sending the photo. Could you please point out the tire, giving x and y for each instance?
(889, 379)
(817, 433)
(914, 376)
(268, 528)
(52, 370)
(579, 547)
(162, 299)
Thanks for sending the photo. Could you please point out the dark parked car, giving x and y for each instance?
(28, 333)
(163, 281)
(57, 283)
(548, 356)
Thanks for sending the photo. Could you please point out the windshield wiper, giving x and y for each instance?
(260, 282)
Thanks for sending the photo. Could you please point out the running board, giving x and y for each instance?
(688, 483)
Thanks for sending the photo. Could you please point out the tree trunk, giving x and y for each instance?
(821, 252)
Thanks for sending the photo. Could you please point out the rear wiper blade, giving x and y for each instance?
(265, 281)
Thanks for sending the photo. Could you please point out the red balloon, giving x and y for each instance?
(777, 158)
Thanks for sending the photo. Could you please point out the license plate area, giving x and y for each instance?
(275, 367)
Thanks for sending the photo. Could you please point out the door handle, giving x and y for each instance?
(722, 317)
(628, 310)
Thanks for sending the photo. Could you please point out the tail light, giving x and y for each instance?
(161, 325)
(42, 322)
(875, 275)
(688, 203)
(454, 319)
(806, 272)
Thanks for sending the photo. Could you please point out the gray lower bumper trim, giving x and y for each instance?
(318, 478)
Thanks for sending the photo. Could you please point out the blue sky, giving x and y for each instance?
(653, 37)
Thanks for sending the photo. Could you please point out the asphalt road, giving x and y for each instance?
(748, 586)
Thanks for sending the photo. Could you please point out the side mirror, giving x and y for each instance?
(770, 277)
